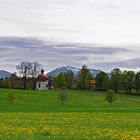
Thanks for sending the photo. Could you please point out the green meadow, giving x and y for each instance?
(36, 115)
(78, 101)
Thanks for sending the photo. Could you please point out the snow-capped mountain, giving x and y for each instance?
(94, 72)
(75, 70)
(4, 74)
(58, 70)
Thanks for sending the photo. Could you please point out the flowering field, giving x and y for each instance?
(74, 126)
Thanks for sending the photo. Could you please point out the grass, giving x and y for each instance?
(78, 101)
(38, 115)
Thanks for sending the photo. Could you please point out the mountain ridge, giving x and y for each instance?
(55, 72)
(4, 74)
(67, 68)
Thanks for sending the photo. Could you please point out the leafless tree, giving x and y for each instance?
(63, 96)
(36, 67)
(24, 69)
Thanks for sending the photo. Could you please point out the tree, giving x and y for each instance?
(13, 79)
(84, 77)
(1, 83)
(115, 79)
(110, 97)
(137, 81)
(60, 80)
(130, 81)
(123, 82)
(69, 77)
(102, 81)
(7, 83)
(36, 67)
(24, 69)
(90, 80)
(63, 96)
(11, 98)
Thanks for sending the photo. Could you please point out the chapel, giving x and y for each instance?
(42, 81)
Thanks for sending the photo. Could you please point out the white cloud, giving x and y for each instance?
(113, 23)
(90, 21)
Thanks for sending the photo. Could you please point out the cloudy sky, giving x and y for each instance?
(99, 33)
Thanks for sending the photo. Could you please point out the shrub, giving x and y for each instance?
(11, 97)
(110, 97)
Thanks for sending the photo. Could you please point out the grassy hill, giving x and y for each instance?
(78, 101)
(38, 115)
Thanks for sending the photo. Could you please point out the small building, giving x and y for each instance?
(42, 81)
(92, 83)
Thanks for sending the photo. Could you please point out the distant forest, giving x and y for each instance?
(120, 81)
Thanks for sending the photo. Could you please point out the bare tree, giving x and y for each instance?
(36, 67)
(63, 96)
(24, 69)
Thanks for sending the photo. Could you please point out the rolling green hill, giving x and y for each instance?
(78, 101)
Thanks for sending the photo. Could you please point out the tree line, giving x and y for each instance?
(119, 81)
